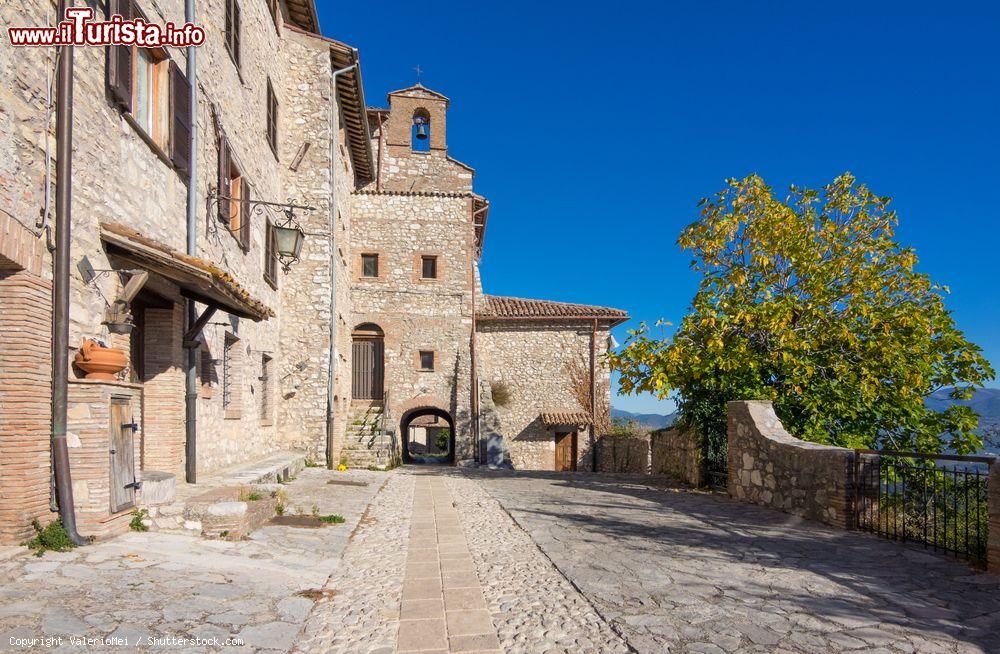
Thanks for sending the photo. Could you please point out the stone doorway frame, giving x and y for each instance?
(404, 432)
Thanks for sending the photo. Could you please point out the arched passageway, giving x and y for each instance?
(428, 436)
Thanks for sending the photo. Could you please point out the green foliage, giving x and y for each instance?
(331, 519)
(811, 303)
(136, 524)
(51, 537)
(626, 427)
(442, 440)
(249, 495)
(309, 463)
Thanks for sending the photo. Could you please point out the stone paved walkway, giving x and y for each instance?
(695, 572)
(163, 586)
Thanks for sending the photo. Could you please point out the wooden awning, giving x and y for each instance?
(565, 418)
(198, 279)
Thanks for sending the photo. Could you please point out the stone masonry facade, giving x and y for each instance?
(274, 363)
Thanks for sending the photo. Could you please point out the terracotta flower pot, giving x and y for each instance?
(100, 362)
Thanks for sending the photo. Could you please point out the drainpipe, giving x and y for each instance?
(60, 288)
(190, 374)
(334, 147)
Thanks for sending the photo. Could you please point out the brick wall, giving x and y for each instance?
(88, 416)
(25, 402)
(769, 466)
(676, 453)
(623, 454)
(163, 392)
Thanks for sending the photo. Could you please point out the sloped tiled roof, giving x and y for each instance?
(564, 418)
(499, 307)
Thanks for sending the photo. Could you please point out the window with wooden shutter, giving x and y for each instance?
(119, 60)
(270, 257)
(272, 119)
(224, 181)
(244, 231)
(233, 20)
(180, 119)
(265, 388)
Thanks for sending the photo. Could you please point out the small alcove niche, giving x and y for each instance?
(420, 135)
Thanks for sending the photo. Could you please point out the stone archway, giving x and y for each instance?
(427, 436)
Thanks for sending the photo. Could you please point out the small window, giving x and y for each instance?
(230, 391)
(233, 20)
(270, 257)
(234, 196)
(272, 119)
(265, 387)
(428, 267)
(150, 107)
(369, 265)
(427, 360)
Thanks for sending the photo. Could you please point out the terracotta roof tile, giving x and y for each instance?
(514, 307)
(564, 418)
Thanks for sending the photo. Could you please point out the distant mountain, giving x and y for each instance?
(650, 420)
(985, 402)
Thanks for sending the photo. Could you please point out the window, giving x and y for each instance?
(420, 134)
(233, 20)
(152, 92)
(270, 257)
(265, 387)
(369, 265)
(234, 197)
(272, 119)
(428, 267)
(426, 360)
(149, 94)
(230, 392)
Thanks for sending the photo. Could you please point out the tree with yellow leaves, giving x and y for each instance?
(811, 303)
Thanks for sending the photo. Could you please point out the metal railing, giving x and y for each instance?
(938, 500)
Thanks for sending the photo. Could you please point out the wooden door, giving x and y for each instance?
(121, 430)
(566, 452)
(367, 369)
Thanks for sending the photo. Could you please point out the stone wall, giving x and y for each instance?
(676, 453)
(534, 359)
(628, 454)
(770, 467)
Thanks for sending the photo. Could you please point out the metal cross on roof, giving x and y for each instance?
(419, 71)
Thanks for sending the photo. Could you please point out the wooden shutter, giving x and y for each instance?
(119, 60)
(236, 32)
(224, 181)
(180, 119)
(270, 256)
(245, 214)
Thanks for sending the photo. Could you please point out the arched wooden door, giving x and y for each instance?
(367, 362)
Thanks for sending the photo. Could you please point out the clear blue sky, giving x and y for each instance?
(595, 128)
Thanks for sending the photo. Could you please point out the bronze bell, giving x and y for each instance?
(421, 131)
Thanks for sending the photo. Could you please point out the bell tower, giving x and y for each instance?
(417, 114)
(415, 147)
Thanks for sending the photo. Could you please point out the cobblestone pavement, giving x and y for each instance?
(695, 572)
(164, 585)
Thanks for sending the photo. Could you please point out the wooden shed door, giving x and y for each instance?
(566, 452)
(367, 369)
(120, 434)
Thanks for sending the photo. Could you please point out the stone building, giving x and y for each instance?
(380, 321)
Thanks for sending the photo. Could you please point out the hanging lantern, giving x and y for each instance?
(288, 240)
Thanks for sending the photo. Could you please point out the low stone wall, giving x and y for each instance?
(676, 453)
(993, 548)
(769, 466)
(623, 454)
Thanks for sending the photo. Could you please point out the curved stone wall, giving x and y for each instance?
(769, 466)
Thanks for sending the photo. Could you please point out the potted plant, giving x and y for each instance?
(100, 362)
